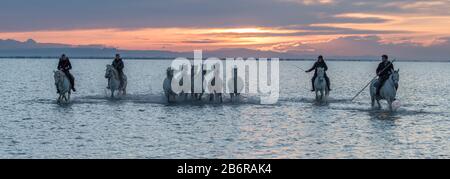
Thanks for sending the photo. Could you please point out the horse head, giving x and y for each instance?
(396, 76)
(57, 75)
(320, 73)
(109, 72)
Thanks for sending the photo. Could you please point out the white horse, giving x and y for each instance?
(388, 92)
(236, 85)
(199, 96)
(62, 85)
(197, 72)
(215, 95)
(320, 85)
(167, 86)
(114, 82)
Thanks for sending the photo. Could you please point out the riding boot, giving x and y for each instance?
(121, 79)
(73, 85)
(71, 80)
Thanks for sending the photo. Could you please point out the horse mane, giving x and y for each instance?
(114, 71)
(60, 73)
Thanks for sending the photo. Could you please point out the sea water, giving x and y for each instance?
(143, 125)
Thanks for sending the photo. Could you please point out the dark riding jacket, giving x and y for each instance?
(64, 64)
(318, 65)
(118, 64)
(387, 67)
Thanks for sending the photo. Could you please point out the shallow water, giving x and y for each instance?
(142, 125)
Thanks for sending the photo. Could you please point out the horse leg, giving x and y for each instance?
(112, 93)
(373, 101)
(317, 95)
(64, 97)
(390, 105)
(321, 95)
(379, 105)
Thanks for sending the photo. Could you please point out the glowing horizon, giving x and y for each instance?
(419, 23)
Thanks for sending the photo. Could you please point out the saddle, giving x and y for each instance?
(377, 83)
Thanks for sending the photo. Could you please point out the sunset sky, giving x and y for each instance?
(277, 25)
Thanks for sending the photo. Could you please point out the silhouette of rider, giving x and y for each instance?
(118, 65)
(384, 71)
(64, 65)
(319, 64)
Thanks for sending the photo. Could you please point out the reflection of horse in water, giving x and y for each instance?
(63, 86)
(320, 85)
(388, 92)
(114, 81)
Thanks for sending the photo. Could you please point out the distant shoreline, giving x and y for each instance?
(167, 58)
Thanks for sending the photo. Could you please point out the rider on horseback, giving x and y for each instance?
(384, 72)
(118, 65)
(64, 65)
(319, 64)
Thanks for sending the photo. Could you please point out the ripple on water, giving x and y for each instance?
(142, 124)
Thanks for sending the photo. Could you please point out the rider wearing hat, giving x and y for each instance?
(319, 64)
(64, 65)
(118, 65)
(384, 72)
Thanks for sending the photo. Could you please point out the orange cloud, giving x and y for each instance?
(424, 29)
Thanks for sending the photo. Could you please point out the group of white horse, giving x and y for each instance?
(214, 96)
(64, 87)
(388, 91)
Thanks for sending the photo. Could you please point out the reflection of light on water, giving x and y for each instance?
(294, 128)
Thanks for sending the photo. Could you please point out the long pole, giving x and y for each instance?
(372, 80)
(302, 70)
(299, 68)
